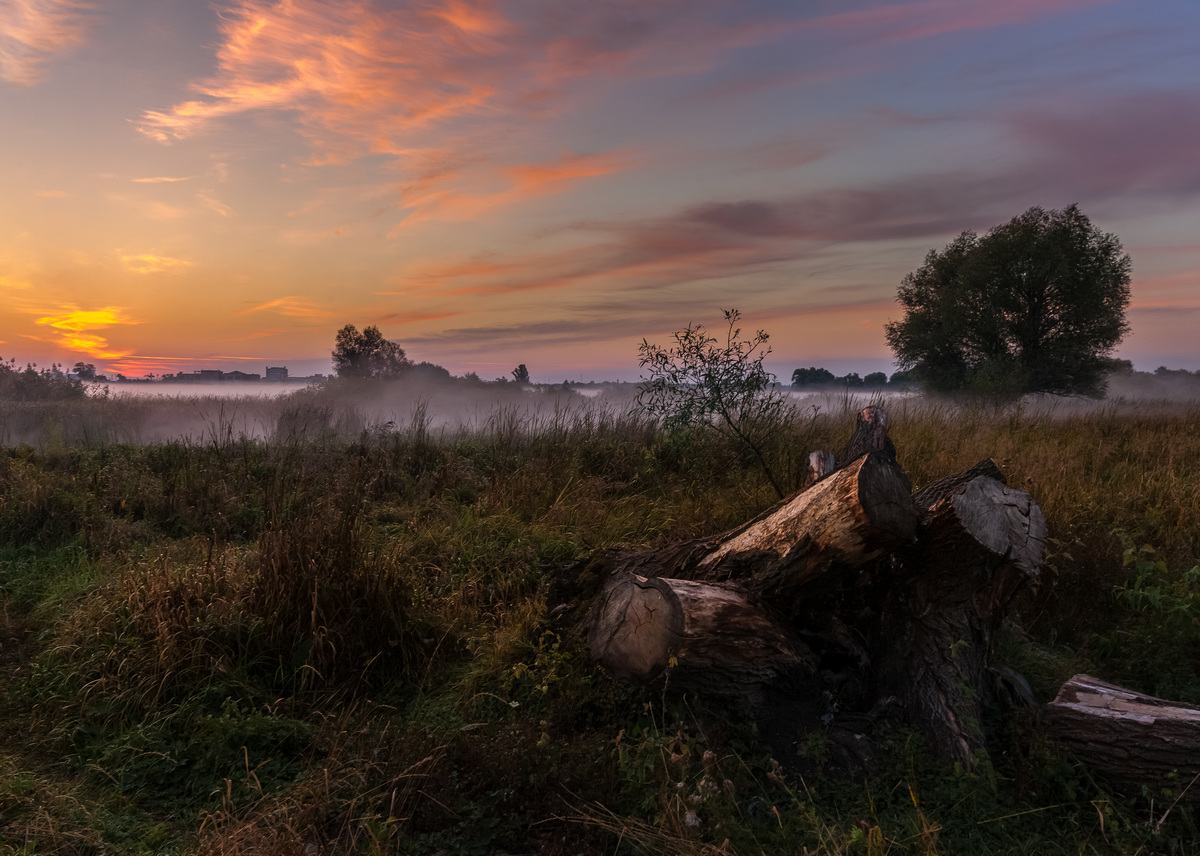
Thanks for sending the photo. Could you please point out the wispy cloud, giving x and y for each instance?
(213, 204)
(443, 193)
(12, 282)
(366, 76)
(73, 330)
(292, 307)
(353, 70)
(151, 263)
(32, 32)
(161, 179)
(928, 18)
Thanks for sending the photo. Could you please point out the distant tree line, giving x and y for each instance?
(813, 376)
(34, 384)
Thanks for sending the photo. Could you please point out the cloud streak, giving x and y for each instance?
(34, 32)
(442, 194)
(145, 263)
(362, 76)
(73, 330)
(291, 307)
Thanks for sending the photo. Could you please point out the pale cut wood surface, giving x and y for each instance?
(1130, 738)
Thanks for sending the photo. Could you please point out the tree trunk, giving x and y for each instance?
(981, 542)
(1129, 738)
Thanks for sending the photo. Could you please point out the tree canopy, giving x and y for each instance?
(1035, 305)
(367, 354)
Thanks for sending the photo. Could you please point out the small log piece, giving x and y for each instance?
(1129, 738)
(707, 638)
(870, 435)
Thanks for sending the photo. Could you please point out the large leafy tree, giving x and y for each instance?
(367, 354)
(1035, 305)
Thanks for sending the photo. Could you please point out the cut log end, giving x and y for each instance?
(1005, 521)
(700, 636)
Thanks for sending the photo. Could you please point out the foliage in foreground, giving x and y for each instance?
(338, 644)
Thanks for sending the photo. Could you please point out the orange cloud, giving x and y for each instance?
(292, 307)
(352, 70)
(150, 263)
(73, 330)
(33, 31)
(161, 179)
(7, 281)
(429, 198)
(213, 204)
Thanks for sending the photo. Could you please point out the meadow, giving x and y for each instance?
(317, 624)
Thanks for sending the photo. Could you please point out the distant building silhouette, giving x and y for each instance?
(237, 375)
(277, 373)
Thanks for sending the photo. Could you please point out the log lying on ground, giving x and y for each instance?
(844, 521)
(853, 588)
(701, 637)
(1129, 738)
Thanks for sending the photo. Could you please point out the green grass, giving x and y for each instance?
(334, 637)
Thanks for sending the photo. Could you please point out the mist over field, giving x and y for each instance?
(201, 413)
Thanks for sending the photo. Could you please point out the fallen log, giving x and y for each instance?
(842, 522)
(1131, 739)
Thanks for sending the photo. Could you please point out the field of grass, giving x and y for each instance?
(331, 636)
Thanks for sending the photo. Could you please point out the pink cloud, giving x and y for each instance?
(927, 18)
(447, 192)
(32, 32)
(364, 76)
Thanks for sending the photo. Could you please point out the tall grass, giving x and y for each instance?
(328, 633)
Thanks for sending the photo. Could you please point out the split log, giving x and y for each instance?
(1131, 739)
(982, 541)
(701, 637)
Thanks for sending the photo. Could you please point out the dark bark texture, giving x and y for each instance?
(855, 602)
(855, 592)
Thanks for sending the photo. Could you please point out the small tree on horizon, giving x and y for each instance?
(700, 382)
(367, 354)
(521, 374)
(1035, 305)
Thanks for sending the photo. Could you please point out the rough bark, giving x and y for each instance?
(870, 435)
(982, 541)
(870, 599)
(698, 636)
(1131, 739)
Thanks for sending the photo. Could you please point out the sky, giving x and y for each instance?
(224, 185)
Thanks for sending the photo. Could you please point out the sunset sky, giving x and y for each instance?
(189, 184)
